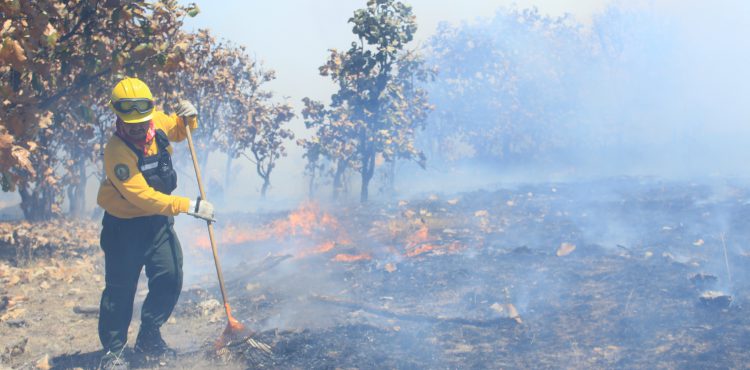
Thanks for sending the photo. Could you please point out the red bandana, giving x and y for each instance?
(143, 144)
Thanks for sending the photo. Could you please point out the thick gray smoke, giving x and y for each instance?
(648, 90)
(677, 99)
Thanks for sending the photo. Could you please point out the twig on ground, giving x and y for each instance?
(411, 316)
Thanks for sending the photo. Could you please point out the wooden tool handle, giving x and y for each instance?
(210, 225)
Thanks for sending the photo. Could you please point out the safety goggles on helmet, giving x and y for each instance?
(139, 105)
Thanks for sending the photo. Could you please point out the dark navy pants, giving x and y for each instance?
(129, 245)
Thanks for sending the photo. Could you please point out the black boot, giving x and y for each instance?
(150, 344)
(114, 361)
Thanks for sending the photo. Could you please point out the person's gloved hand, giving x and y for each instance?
(202, 209)
(186, 109)
(187, 112)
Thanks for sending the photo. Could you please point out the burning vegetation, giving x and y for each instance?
(616, 273)
(627, 274)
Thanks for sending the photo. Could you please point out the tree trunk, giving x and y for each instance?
(368, 169)
(264, 188)
(228, 171)
(227, 176)
(391, 182)
(363, 193)
(77, 192)
(338, 177)
(265, 174)
(311, 184)
(36, 203)
(202, 159)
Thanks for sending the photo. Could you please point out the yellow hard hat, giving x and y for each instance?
(132, 101)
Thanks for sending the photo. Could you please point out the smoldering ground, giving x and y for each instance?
(619, 241)
(625, 295)
(641, 172)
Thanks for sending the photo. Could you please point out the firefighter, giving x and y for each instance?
(137, 228)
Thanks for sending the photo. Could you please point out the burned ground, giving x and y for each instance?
(622, 273)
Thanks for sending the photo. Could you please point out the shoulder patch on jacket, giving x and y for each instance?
(122, 172)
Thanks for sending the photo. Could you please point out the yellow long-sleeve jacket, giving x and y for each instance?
(133, 197)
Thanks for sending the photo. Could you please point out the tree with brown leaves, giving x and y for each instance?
(378, 105)
(254, 126)
(237, 115)
(55, 57)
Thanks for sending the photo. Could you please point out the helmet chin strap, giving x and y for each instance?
(122, 133)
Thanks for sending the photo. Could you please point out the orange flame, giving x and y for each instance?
(419, 250)
(325, 247)
(322, 248)
(420, 236)
(305, 221)
(421, 242)
(231, 235)
(308, 221)
(342, 257)
(416, 243)
(314, 231)
(437, 249)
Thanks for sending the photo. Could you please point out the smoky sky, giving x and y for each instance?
(677, 93)
(658, 89)
(665, 93)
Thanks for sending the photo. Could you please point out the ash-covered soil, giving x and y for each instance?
(622, 273)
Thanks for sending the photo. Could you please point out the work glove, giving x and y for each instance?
(188, 113)
(186, 109)
(202, 209)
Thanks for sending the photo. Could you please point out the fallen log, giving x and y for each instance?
(242, 273)
(380, 311)
(86, 310)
